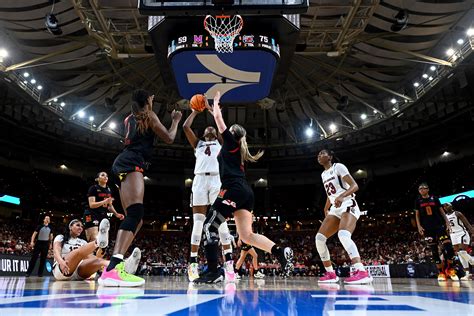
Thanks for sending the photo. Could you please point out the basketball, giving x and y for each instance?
(198, 102)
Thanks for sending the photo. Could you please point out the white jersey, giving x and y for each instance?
(333, 183)
(206, 157)
(457, 226)
(70, 245)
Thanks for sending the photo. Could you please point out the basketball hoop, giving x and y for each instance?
(224, 29)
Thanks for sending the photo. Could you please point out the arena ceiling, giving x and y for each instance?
(346, 49)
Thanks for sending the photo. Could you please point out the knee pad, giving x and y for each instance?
(224, 234)
(198, 223)
(345, 237)
(135, 213)
(211, 226)
(448, 251)
(321, 246)
(435, 251)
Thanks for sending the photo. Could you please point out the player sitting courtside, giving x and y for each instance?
(73, 256)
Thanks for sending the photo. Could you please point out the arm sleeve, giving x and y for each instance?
(341, 170)
(229, 141)
(38, 228)
(92, 191)
(59, 238)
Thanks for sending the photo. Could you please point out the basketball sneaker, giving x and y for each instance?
(452, 274)
(229, 271)
(102, 240)
(259, 275)
(441, 276)
(210, 277)
(466, 277)
(119, 277)
(359, 277)
(329, 277)
(132, 262)
(237, 277)
(193, 271)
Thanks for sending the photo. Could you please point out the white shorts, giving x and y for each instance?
(205, 189)
(349, 205)
(461, 237)
(59, 276)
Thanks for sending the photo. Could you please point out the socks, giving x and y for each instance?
(329, 269)
(359, 266)
(115, 260)
(212, 253)
(228, 256)
(193, 257)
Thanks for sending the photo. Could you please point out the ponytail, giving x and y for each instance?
(245, 153)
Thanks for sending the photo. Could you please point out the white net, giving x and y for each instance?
(224, 29)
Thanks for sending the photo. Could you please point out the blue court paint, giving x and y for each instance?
(229, 300)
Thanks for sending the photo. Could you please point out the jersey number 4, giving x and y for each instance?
(208, 150)
(330, 189)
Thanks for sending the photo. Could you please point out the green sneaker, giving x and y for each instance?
(118, 277)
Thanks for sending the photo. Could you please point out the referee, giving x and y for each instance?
(41, 247)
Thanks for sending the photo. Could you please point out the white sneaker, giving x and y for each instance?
(193, 271)
(229, 271)
(132, 262)
(102, 240)
(237, 277)
(467, 277)
(259, 275)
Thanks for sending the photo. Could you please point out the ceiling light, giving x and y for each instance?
(332, 127)
(433, 68)
(393, 101)
(40, 87)
(446, 154)
(91, 118)
(81, 114)
(470, 32)
(25, 82)
(375, 111)
(425, 76)
(3, 53)
(430, 78)
(309, 132)
(112, 125)
(33, 81)
(63, 104)
(26, 75)
(55, 100)
(363, 116)
(416, 84)
(450, 52)
(460, 41)
(63, 167)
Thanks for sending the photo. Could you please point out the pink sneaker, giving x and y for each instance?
(329, 277)
(229, 271)
(359, 277)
